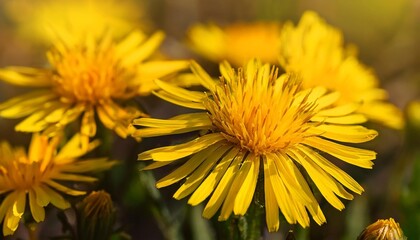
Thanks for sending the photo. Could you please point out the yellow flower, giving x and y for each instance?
(38, 19)
(93, 76)
(237, 43)
(38, 174)
(255, 120)
(383, 229)
(315, 50)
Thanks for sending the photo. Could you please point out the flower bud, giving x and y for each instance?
(95, 216)
(382, 229)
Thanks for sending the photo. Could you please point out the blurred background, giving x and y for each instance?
(386, 34)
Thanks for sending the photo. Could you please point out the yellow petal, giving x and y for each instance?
(180, 121)
(38, 212)
(271, 207)
(205, 79)
(197, 176)
(25, 104)
(106, 120)
(240, 176)
(223, 187)
(289, 180)
(154, 132)
(37, 147)
(326, 185)
(152, 70)
(143, 51)
(155, 165)
(27, 77)
(384, 113)
(34, 123)
(187, 95)
(7, 204)
(158, 127)
(74, 149)
(184, 80)
(57, 113)
(188, 167)
(88, 123)
(179, 101)
(42, 198)
(350, 133)
(349, 119)
(55, 198)
(19, 204)
(246, 191)
(74, 177)
(327, 100)
(355, 156)
(11, 223)
(312, 206)
(129, 43)
(211, 181)
(227, 71)
(72, 113)
(340, 110)
(171, 153)
(64, 189)
(333, 170)
(280, 193)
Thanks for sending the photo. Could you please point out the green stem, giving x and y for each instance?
(250, 225)
(167, 224)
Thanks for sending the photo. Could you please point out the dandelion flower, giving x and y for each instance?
(256, 120)
(315, 50)
(237, 43)
(39, 174)
(38, 19)
(87, 78)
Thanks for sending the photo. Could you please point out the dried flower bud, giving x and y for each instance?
(382, 229)
(95, 216)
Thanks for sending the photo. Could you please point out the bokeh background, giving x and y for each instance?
(386, 33)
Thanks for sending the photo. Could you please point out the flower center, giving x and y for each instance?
(89, 74)
(259, 111)
(23, 175)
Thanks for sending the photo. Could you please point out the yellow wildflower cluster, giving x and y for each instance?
(286, 107)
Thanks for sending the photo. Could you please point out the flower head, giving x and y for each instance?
(315, 50)
(383, 229)
(254, 117)
(88, 76)
(39, 19)
(237, 43)
(39, 173)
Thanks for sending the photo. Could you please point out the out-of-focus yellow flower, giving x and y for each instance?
(413, 113)
(256, 120)
(93, 76)
(383, 229)
(315, 50)
(39, 19)
(38, 174)
(237, 43)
